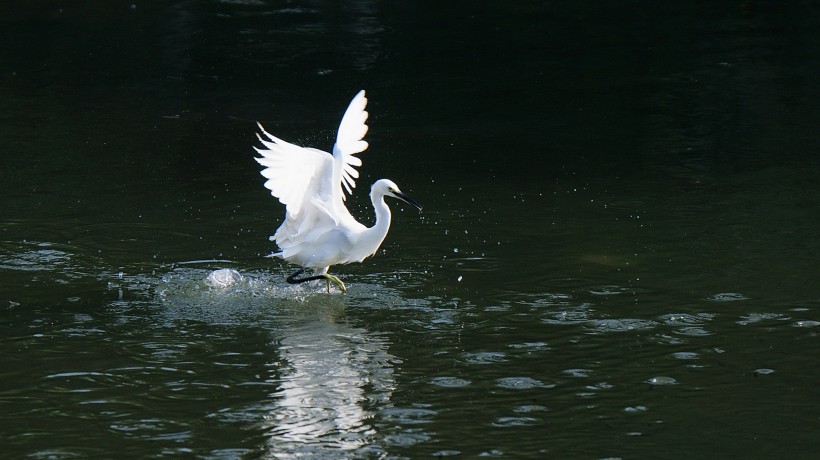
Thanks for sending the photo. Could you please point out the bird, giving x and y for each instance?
(318, 230)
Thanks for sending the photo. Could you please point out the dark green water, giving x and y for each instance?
(617, 255)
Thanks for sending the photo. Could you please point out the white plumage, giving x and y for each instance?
(318, 230)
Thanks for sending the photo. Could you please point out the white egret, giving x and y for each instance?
(318, 230)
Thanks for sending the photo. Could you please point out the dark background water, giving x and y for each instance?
(617, 255)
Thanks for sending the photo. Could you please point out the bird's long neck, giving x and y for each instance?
(375, 234)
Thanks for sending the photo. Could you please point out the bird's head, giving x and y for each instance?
(386, 187)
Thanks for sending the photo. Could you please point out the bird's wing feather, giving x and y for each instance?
(309, 183)
(349, 142)
(295, 174)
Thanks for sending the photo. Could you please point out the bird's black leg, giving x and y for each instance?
(292, 279)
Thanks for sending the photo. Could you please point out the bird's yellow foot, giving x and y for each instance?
(335, 280)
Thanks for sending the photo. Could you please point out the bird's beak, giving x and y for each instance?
(407, 200)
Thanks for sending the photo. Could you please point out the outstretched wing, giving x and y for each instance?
(349, 142)
(309, 182)
(298, 176)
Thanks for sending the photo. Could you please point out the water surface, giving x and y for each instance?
(615, 259)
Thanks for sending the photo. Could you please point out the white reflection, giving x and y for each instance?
(331, 378)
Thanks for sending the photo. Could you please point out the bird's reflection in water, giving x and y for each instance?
(332, 378)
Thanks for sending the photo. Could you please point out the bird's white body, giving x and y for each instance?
(318, 230)
(318, 241)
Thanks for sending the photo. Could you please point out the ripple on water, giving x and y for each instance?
(686, 319)
(45, 263)
(548, 300)
(579, 373)
(530, 346)
(685, 355)
(661, 380)
(484, 357)
(407, 438)
(600, 386)
(153, 429)
(505, 422)
(446, 453)
(607, 290)
(727, 297)
(752, 318)
(693, 331)
(635, 409)
(450, 382)
(521, 383)
(577, 315)
(688, 324)
(666, 339)
(36, 257)
(528, 408)
(807, 323)
(408, 415)
(621, 325)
